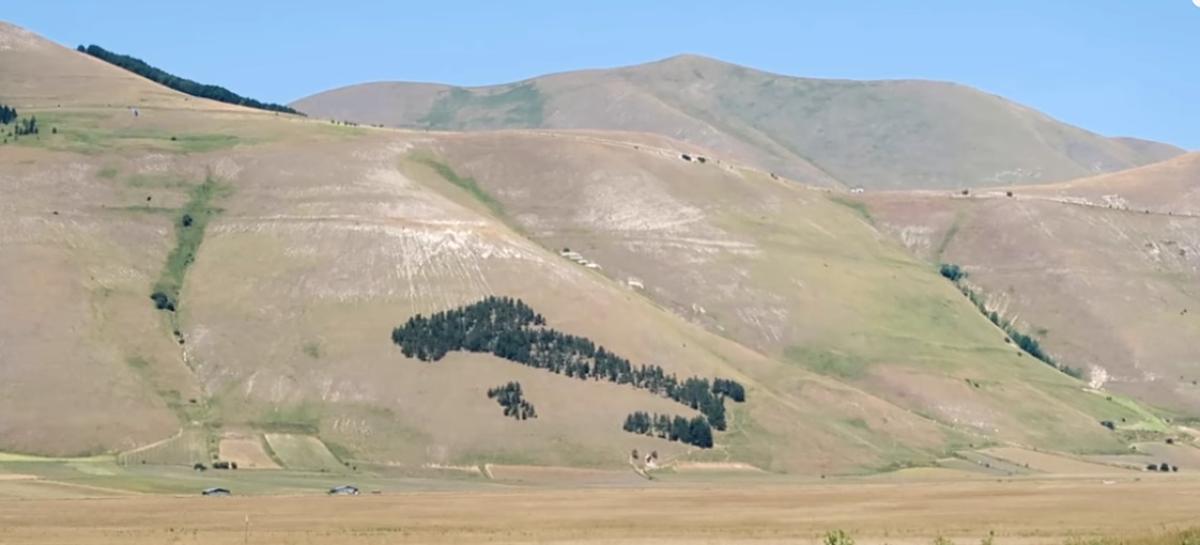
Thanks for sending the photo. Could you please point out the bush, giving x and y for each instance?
(837, 537)
(162, 301)
(952, 272)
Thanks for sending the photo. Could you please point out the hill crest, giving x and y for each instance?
(895, 134)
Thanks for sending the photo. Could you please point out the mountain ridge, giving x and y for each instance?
(893, 133)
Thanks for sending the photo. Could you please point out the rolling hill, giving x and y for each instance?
(1103, 270)
(874, 134)
(288, 249)
(1171, 187)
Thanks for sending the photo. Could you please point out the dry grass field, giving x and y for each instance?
(1018, 511)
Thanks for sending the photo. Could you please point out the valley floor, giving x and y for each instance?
(909, 509)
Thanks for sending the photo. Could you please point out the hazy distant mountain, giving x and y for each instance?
(877, 134)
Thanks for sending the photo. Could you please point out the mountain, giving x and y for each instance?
(874, 134)
(1102, 270)
(184, 279)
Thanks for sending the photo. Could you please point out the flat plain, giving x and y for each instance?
(915, 507)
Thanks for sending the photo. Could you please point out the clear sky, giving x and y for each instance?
(1118, 67)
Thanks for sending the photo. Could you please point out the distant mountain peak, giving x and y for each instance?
(891, 134)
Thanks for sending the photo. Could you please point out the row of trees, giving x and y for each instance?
(26, 126)
(693, 432)
(183, 85)
(510, 329)
(510, 397)
(7, 114)
(1026, 343)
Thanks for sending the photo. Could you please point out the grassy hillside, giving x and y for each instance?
(801, 275)
(877, 134)
(1102, 272)
(310, 241)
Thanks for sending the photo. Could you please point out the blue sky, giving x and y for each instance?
(1118, 67)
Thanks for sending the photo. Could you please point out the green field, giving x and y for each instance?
(303, 452)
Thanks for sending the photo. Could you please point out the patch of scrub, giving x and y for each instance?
(189, 234)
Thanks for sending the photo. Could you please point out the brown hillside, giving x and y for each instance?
(1103, 271)
(878, 134)
(293, 246)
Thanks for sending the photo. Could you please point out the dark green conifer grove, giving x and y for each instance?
(510, 329)
(512, 399)
(677, 428)
(183, 85)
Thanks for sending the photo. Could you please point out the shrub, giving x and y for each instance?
(162, 301)
(837, 537)
(952, 272)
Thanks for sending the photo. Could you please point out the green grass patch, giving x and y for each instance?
(858, 423)
(1143, 419)
(827, 361)
(157, 181)
(137, 363)
(108, 173)
(85, 132)
(467, 184)
(304, 452)
(142, 209)
(519, 106)
(189, 234)
(312, 349)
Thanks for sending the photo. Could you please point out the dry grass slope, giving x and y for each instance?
(1102, 271)
(856, 356)
(881, 134)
